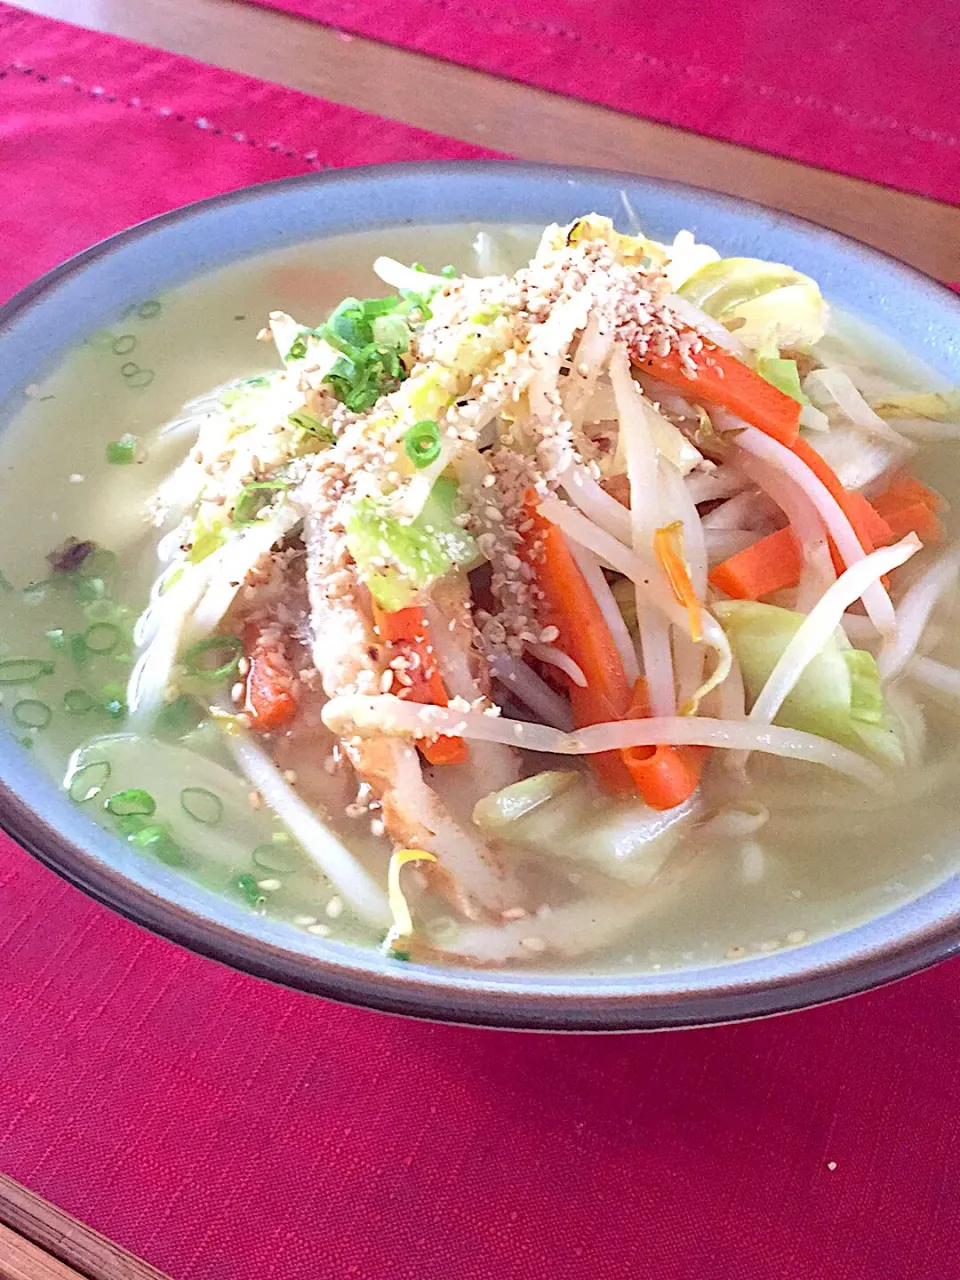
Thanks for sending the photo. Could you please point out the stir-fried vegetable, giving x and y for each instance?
(622, 505)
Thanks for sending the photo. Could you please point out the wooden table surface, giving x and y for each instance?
(528, 123)
(37, 1241)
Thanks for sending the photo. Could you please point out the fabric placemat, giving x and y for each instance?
(863, 87)
(226, 1129)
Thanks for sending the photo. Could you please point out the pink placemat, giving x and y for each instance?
(865, 87)
(226, 1129)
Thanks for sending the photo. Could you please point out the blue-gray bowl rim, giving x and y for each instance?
(35, 812)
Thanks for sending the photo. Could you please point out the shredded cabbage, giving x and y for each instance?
(416, 553)
(838, 696)
(556, 813)
(759, 300)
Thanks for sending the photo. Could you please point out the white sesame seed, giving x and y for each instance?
(305, 921)
(270, 885)
(533, 944)
(256, 800)
(290, 775)
(320, 930)
(334, 908)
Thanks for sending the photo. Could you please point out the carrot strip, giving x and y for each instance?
(569, 605)
(668, 548)
(875, 526)
(905, 492)
(269, 702)
(916, 518)
(724, 380)
(769, 564)
(664, 775)
(407, 633)
(908, 506)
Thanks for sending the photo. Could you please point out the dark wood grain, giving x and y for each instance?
(38, 1241)
(526, 122)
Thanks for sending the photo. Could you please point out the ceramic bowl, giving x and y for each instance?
(89, 292)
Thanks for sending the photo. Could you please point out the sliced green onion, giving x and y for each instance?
(135, 376)
(31, 713)
(298, 348)
(156, 840)
(88, 781)
(201, 805)
(102, 638)
(312, 426)
(253, 498)
(449, 272)
(179, 716)
(78, 647)
(87, 590)
(77, 702)
(56, 638)
(147, 310)
(98, 563)
(24, 670)
(124, 344)
(132, 824)
(422, 443)
(228, 647)
(275, 857)
(133, 802)
(249, 888)
(121, 452)
(113, 700)
(5, 583)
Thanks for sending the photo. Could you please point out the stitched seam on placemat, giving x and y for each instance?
(99, 94)
(849, 115)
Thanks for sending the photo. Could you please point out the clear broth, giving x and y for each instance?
(818, 870)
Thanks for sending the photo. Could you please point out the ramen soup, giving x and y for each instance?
(587, 602)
